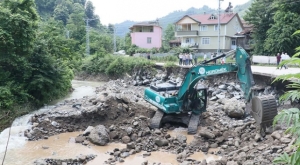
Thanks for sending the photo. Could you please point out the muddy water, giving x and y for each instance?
(63, 146)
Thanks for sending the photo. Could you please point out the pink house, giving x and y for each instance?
(146, 35)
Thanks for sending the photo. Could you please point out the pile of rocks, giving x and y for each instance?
(118, 113)
(80, 160)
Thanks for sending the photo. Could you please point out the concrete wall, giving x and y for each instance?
(264, 59)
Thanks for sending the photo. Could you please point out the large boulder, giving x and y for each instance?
(234, 108)
(99, 135)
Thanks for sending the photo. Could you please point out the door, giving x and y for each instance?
(233, 43)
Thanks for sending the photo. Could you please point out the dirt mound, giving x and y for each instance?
(114, 104)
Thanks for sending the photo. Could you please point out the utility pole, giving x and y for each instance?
(115, 46)
(219, 10)
(88, 36)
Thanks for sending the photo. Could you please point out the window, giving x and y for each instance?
(216, 27)
(212, 17)
(203, 28)
(205, 41)
(187, 40)
(187, 27)
(233, 42)
(148, 40)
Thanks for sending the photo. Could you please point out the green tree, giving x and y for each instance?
(286, 22)
(61, 12)
(45, 7)
(169, 33)
(291, 117)
(18, 25)
(90, 14)
(260, 15)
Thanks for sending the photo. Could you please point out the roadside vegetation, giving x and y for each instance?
(291, 117)
(113, 65)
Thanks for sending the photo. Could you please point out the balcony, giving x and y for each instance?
(190, 45)
(187, 33)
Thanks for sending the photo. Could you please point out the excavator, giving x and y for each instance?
(189, 98)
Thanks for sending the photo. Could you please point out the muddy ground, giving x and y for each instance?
(118, 113)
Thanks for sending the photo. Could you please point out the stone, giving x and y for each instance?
(88, 130)
(147, 154)
(124, 154)
(99, 135)
(181, 138)
(81, 158)
(161, 142)
(40, 162)
(257, 137)
(113, 135)
(207, 134)
(129, 130)
(130, 146)
(221, 96)
(234, 108)
(79, 139)
(45, 147)
(54, 123)
(157, 131)
(232, 163)
(223, 86)
(134, 137)
(285, 140)
(126, 139)
(214, 98)
(136, 123)
(276, 135)
(214, 145)
(145, 162)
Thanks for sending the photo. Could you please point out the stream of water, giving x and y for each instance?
(63, 146)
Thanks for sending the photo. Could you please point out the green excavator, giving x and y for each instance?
(189, 99)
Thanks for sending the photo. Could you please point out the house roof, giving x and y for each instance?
(148, 23)
(205, 18)
(248, 28)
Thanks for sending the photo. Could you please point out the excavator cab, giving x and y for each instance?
(198, 100)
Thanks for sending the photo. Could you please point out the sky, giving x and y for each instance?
(117, 11)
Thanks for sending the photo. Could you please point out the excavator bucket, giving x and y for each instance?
(263, 110)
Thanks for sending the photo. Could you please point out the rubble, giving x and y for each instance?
(118, 113)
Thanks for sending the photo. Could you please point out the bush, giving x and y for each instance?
(169, 58)
(114, 65)
(170, 65)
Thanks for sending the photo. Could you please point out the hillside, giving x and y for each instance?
(123, 27)
(241, 9)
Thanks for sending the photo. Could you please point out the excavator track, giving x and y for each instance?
(264, 109)
(193, 124)
(156, 120)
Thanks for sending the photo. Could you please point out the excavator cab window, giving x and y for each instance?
(198, 100)
(202, 97)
